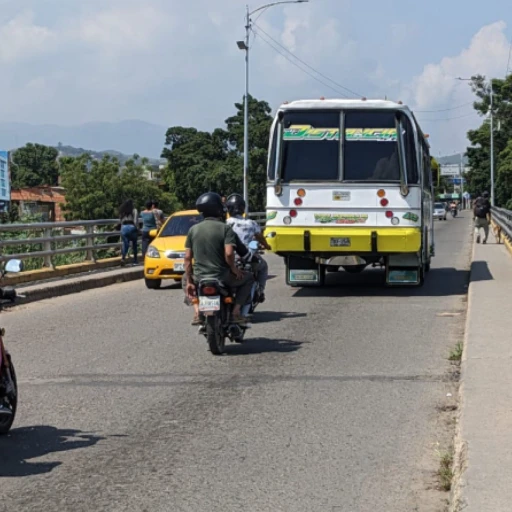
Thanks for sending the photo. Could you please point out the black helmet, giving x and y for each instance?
(210, 205)
(235, 204)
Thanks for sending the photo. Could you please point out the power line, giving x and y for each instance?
(307, 65)
(448, 118)
(337, 91)
(445, 109)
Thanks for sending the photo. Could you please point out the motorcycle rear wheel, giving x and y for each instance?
(6, 423)
(214, 335)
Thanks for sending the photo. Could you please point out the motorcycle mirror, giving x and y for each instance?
(253, 245)
(14, 266)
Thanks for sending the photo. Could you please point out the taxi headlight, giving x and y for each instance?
(152, 252)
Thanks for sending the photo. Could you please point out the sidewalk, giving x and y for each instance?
(77, 283)
(486, 390)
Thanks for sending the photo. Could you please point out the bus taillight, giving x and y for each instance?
(297, 201)
(384, 202)
(301, 192)
(293, 213)
(389, 214)
(381, 192)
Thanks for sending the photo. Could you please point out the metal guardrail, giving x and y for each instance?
(504, 219)
(89, 237)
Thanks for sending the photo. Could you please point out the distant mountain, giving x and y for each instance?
(127, 137)
(452, 160)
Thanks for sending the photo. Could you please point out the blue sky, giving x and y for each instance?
(172, 62)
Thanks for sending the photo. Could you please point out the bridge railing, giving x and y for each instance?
(503, 218)
(46, 244)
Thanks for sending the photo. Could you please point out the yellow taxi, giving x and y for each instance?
(165, 255)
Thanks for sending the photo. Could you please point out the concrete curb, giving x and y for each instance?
(460, 459)
(76, 285)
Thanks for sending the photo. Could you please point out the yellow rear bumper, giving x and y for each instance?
(283, 239)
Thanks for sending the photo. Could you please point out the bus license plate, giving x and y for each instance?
(403, 277)
(301, 276)
(179, 266)
(340, 242)
(209, 303)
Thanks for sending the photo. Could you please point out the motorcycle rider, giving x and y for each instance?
(212, 245)
(5, 382)
(248, 230)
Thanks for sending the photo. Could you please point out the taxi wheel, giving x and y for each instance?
(153, 284)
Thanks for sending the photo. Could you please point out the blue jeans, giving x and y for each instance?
(129, 235)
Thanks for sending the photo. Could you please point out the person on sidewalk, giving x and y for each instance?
(148, 223)
(128, 217)
(482, 216)
(159, 215)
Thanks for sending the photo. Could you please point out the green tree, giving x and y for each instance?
(199, 161)
(34, 165)
(96, 188)
(479, 152)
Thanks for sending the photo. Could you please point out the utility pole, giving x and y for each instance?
(492, 147)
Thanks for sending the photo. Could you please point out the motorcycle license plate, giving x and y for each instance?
(209, 304)
(179, 266)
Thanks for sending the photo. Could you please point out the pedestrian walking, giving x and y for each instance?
(128, 218)
(148, 224)
(482, 216)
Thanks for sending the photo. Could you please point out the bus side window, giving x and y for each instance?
(427, 171)
(410, 151)
(272, 160)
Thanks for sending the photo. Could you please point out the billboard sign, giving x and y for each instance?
(450, 170)
(5, 179)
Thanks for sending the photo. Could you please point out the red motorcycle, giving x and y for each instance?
(8, 384)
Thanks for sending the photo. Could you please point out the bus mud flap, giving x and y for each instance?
(374, 242)
(307, 241)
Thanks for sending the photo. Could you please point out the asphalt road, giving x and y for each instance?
(332, 405)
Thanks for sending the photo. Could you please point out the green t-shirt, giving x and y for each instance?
(207, 241)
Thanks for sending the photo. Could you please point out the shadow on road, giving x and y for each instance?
(263, 317)
(263, 345)
(439, 282)
(480, 271)
(23, 444)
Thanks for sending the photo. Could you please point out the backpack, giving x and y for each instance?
(481, 208)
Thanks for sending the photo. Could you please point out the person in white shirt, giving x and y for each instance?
(248, 230)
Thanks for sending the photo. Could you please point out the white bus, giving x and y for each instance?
(361, 199)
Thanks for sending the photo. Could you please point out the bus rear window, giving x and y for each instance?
(311, 146)
(371, 148)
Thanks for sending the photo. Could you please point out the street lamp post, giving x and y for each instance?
(244, 45)
(492, 134)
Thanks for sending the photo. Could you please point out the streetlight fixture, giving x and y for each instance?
(244, 45)
(492, 133)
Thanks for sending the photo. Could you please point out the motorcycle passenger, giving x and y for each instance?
(212, 244)
(248, 230)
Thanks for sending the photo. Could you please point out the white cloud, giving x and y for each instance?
(486, 55)
(124, 28)
(22, 38)
(437, 88)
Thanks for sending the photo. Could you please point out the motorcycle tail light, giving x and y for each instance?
(228, 300)
(209, 290)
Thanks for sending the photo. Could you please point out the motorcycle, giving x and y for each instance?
(8, 383)
(216, 302)
(454, 212)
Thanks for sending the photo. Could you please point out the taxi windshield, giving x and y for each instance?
(180, 225)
